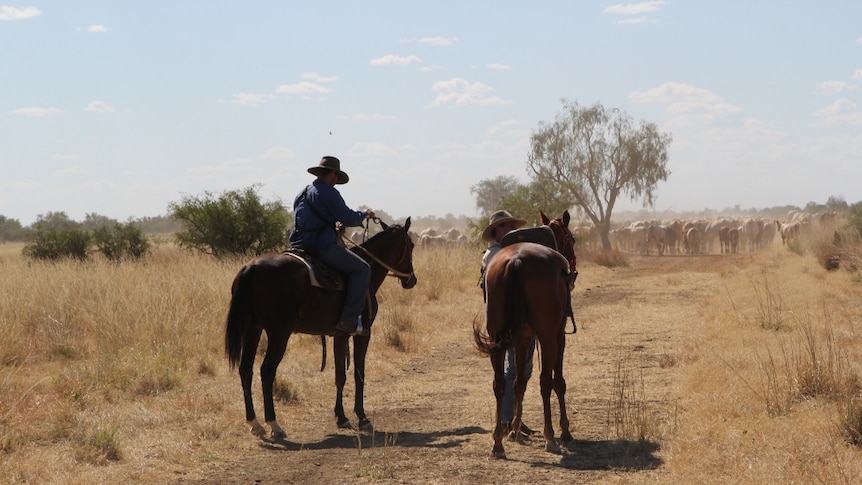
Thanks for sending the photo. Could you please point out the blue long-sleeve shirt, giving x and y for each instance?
(316, 210)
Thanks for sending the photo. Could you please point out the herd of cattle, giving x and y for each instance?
(428, 238)
(721, 235)
(675, 236)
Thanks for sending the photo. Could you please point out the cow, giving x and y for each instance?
(724, 239)
(733, 239)
(656, 238)
(692, 240)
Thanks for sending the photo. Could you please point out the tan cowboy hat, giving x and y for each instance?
(498, 218)
(328, 163)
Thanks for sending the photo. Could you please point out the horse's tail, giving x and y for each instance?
(238, 315)
(515, 315)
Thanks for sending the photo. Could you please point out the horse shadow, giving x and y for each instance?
(602, 455)
(353, 439)
(584, 455)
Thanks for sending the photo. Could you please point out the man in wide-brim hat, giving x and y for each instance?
(499, 224)
(316, 210)
(330, 164)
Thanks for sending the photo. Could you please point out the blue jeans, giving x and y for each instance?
(358, 274)
(509, 372)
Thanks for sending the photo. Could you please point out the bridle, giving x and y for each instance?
(404, 255)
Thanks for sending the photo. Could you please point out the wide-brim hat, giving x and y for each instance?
(326, 164)
(497, 218)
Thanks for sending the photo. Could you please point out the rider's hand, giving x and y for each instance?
(369, 214)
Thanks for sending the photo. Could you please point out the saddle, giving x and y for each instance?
(540, 235)
(319, 274)
(543, 235)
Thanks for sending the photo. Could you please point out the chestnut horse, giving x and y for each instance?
(272, 293)
(528, 289)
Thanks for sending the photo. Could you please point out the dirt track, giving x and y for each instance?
(434, 417)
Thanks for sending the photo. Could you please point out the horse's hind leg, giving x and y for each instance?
(560, 391)
(545, 385)
(360, 350)
(274, 353)
(246, 372)
(499, 389)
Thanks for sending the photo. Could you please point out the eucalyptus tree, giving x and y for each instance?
(598, 155)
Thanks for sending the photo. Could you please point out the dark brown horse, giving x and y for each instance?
(528, 295)
(272, 293)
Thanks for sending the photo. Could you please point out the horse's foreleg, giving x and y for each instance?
(340, 351)
(360, 351)
(246, 372)
(274, 353)
(499, 389)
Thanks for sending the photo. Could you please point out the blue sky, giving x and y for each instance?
(119, 108)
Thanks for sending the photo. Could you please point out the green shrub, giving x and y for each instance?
(236, 223)
(121, 240)
(55, 236)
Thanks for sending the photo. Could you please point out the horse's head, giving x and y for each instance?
(393, 250)
(563, 236)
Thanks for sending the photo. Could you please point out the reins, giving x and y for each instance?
(392, 271)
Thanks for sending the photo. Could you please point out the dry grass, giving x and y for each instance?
(712, 369)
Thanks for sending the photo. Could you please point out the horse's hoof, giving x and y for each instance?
(566, 437)
(551, 446)
(258, 430)
(344, 424)
(500, 455)
(279, 435)
(365, 425)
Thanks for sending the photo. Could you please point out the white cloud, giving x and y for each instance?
(73, 170)
(438, 41)
(459, 92)
(501, 126)
(97, 29)
(831, 87)
(498, 67)
(857, 74)
(318, 78)
(841, 112)
(251, 99)
(277, 153)
(683, 100)
(302, 88)
(37, 112)
(13, 13)
(99, 107)
(634, 8)
(431, 68)
(393, 60)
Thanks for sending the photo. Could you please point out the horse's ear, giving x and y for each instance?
(407, 224)
(544, 218)
(566, 218)
(384, 225)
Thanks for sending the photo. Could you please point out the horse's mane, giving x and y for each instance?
(389, 228)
